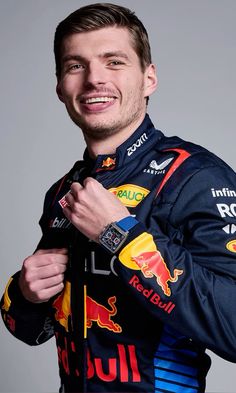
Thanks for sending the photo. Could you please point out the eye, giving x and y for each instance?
(74, 67)
(115, 63)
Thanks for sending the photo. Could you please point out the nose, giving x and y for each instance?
(95, 74)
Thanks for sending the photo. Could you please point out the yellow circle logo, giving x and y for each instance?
(231, 246)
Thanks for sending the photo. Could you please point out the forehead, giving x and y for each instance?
(97, 41)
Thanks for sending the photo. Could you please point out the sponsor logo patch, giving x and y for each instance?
(139, 142)
(59, 223)
(96, 312)
(226, 210)
(151, 295)
(102, 315)
(62, 202)
(157, 169)
(231, 246)
(122, 365)
(142, 254)
(130, 194)
(108, 162)
(223, 192)
(229, 229)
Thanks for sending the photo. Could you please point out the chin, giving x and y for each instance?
(99, 132)
(98, 129)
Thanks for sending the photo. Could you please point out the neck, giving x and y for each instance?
(110, 143)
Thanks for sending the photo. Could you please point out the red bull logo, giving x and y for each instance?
(102, 315)
(152, 264)
(62, 306)
(108, 162)
(121, 366)
(96, 312)
(142, 254)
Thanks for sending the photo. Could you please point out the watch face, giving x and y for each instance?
(112, 238)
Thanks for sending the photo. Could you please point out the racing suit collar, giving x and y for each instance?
(135, 146)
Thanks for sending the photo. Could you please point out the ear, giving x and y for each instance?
(151, 80)
(59, 93)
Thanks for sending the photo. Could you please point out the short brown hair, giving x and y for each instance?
(100, 15)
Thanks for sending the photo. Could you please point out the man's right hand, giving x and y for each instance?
(42, 274)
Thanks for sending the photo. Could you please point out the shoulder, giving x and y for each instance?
(198, 156)
(193, 168)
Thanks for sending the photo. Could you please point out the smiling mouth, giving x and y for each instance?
(95, 100)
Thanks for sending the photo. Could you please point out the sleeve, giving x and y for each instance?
(183, 266)
(28, 322)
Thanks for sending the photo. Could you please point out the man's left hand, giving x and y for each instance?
(91, 208)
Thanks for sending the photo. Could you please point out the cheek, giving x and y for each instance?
(70, 87)
(134, 88)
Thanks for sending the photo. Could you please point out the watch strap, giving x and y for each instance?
(127, 223)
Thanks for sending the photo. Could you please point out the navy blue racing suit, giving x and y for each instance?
(141, 320)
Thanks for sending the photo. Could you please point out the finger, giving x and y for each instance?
(43, 260)
(50, 292)
(52, 259)
(45, 272)
(88, 180)
(75, 188)
(45, 294)
(47, 283)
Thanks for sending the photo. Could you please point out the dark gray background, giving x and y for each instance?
(193, 45)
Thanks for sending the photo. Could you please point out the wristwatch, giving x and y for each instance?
(115, 234)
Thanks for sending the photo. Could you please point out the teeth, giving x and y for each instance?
(98, 99)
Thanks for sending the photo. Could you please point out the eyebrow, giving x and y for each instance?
(71, 57)
(102, 55)
(115, 54)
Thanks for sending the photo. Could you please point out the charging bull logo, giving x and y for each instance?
(95, 312)
(152, 264)
(108, 162)
(102, 315)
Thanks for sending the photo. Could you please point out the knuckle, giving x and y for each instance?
(58, 269)
(60, 278)
(82, 198)
(51, 258)
(40, 297)
(74, 191)
(55, 269)
(90, 183)
(27, 277)
(31, 286)
(58, 288)
(88, 180)
(26, 263)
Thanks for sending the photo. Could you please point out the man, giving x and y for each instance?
(135, 271)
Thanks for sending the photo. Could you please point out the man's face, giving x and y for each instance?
(102, 84)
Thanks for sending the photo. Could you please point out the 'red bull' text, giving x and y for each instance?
(152, 296)
(122, 366)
